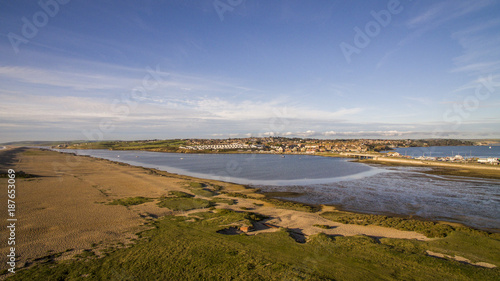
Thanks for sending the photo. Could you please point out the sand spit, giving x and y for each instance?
(63, 208)
(435, 164)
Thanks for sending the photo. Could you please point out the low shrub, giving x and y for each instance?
(130, 201)
(290, 205)
(180, 194)
(223, 201)
(324, 226)
(203, 192)
(196, 185)
(184, 204)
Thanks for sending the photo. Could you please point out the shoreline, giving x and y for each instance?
(441, 168)
(444, 169)
(67, 210)
(377, 159)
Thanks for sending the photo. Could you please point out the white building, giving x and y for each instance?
(489, 160)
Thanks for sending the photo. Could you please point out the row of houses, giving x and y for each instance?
(222, 146)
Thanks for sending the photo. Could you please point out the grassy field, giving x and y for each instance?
(184, 203)
(428, 228)
(190, 248)
(160, 145)
(130, 201)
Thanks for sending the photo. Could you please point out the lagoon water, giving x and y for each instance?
(252, 169)
(336, 181)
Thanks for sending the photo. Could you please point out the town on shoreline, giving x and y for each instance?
(355, 148)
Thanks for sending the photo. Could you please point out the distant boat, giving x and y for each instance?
(182, 158)
(118, 156)
(490, 147)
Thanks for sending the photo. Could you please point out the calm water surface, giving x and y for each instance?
(253, 169)
(326, 180)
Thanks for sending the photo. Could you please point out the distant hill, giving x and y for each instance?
(39, 143)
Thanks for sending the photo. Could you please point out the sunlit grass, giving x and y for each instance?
(182, 248)
(130, 201)
(428, 228)
(184, 203)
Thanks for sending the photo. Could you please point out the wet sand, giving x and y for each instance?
(443, 168)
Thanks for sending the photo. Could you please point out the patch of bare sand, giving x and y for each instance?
(65, 207)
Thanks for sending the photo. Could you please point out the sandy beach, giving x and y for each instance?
(63, 207)
(445, 168)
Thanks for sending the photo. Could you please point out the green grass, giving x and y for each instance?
(203, 192)
(428, 228)
(236, 194)
(476, 248)
(200, 189)
(184, 204)
(180, 248)
(324, 226)
(180, 194)
(130, 201)
(223, 201)
(161, 145)
(290, 205)
(474, 245)
(19, 175)
(197, 185)
(254, 216)
(86, 254)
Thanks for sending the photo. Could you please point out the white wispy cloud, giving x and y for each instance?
(484, 67)
(473, 30)
(435, 15)
(422, 100)
(439, 14)
(275, 108)
(35, 108)
(480, 48)
(428, 15)
(73, 80)
(392, 133)
(63, 71)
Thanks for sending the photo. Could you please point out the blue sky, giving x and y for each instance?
(91, 70)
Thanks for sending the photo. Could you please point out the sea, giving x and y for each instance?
(341, 182)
